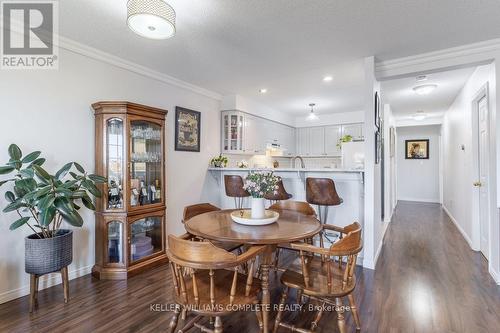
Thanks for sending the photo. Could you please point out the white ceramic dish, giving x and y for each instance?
(244, 217)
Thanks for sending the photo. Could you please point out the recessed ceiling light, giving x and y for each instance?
(263, 90)
(153, 19)
(421, 78)
(328, 78)
(420, 115)
(424, 89)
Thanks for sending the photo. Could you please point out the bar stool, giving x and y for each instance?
(322, 192)
(281, 194)
(234, 189)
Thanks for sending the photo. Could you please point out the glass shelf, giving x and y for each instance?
(146, 237)
(146, 157)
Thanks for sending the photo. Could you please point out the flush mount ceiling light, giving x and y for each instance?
(263, 90)
(424, 89)
(153, 19)
(328, 78)
(420, 115)
(421, 78)
(312, 115)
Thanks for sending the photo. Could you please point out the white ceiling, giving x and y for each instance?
(286, 46)
(405, 102)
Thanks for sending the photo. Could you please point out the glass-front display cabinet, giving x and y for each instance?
(232, 132)
(130, 216)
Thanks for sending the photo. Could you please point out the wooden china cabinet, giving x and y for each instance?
(130, 216)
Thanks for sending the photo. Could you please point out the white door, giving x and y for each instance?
(303, 140)
(483, 141)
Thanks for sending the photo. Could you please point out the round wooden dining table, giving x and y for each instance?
(291, 226)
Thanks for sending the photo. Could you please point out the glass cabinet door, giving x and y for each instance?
(114, 155)
(145, 237)
(146, 156)
(115, 242)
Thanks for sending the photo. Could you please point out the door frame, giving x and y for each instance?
(476, 217)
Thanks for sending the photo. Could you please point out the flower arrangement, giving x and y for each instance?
(242, 164)
(261, 183)
(219, 161)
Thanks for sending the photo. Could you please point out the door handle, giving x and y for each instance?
(477, 184)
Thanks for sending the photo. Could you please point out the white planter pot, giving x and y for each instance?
(258, 208)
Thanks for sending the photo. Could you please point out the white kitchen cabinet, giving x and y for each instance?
(354, 130)
(332, 138)
(232, 132)
(303, 140)
(317, 141)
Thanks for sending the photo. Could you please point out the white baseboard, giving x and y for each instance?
(419, 200)
(46, 281)
(464, 234)
(494, 274)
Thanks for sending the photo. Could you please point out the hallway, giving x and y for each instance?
(427, 280)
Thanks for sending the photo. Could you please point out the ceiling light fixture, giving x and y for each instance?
(263, 90)
(421, 78)
(153, 19)
(328, 78)
(424, 89)
(312, 115)
(419, 116)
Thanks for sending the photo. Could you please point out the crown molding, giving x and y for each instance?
(85, 50)
(475, 53)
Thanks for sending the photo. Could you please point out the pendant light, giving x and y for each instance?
(153, 19)
(312, 115)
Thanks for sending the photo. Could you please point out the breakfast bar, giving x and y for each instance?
(349, 184)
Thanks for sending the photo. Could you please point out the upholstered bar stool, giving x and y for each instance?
(322, 192)
(281, 194)
(234, 189)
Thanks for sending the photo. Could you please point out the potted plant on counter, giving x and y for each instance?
(42, 202)
(219, 161)
(258, 184)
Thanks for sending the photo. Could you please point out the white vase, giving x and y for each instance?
(258, 208)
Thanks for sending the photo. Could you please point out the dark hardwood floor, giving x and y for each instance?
(427, 280)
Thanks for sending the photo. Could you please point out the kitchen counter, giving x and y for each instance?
(289, 169)
(349, 184)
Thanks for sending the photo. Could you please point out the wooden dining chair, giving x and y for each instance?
(294, 206)
(325, 281)
(207, 282)
(197, 209)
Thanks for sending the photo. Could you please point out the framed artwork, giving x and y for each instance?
(187, 129)
(417, 149)
(378, 147)
(377, 110)
(392, 141)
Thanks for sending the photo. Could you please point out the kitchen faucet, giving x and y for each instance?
(302, 164)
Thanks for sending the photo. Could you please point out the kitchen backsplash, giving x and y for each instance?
(262, 161)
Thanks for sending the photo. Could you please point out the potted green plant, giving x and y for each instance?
(219, 161)
(42, 202)
(345, 138)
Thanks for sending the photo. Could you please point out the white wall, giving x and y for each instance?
(50, 111)
(390, 165)
(237, 102)
(458, 164)
(418, 180)
(332, 119)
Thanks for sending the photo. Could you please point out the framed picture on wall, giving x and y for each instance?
(417, 149)
(378, 147)
(377, 111)
(187, 129)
